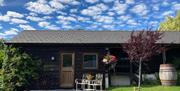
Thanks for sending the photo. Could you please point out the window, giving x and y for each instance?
(90, 61)
(67, 60)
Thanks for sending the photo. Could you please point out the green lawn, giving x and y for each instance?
(147, 88)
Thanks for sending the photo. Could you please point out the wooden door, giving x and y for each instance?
(67, 70)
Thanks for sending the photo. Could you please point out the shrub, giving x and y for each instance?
(18, 69)
(1, 52)
(176, 63)
(155, 81)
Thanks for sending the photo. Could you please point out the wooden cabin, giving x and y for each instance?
(65, 54)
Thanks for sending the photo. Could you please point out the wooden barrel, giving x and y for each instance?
(167, 75)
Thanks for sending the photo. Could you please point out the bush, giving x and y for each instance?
(1, 52)
(176, 63)
(1, 60)
(152, 81)
(18, 69)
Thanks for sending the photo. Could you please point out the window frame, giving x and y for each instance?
(96, 54)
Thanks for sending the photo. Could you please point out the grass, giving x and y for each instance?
(146, 88)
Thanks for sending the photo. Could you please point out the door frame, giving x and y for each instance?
(61, 66)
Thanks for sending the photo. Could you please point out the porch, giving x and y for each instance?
(51, 56)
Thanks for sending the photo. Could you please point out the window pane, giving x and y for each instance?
(67, 60)
(89, 61)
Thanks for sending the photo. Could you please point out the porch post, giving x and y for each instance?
(164, 56)
(106, 80)
(107, 72)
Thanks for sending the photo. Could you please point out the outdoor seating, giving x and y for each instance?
(82, 82)
(89, 84)
(96, 82)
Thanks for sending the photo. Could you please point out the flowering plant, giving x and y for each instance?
(108, 59)
(89, 76)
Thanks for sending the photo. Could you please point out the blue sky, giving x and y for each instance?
(114, 15)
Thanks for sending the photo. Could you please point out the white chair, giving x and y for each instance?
(82, 82)
(97, 82)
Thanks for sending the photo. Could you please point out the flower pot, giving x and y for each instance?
(167, 74)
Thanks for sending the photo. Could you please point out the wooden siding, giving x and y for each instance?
(50, 76)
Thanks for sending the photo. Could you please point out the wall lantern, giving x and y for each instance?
(107, 49)
(52, 58)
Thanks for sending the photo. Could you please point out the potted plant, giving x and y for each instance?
(110, 61)
(89, 76)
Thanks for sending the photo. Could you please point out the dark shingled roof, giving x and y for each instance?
(31, 36)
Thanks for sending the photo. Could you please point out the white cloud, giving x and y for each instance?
(157, 15)
(153, 23)
(94, 10)
(132, 22)
(18, 21)
(165, 3)
(119, 8)
(1, 2)
(33, 14)
(26, 27)
(110, 13)
(1, 26)
(4, 18)
(43, 24)
(73, 10)
(47, 17)
(48, 25)
(72, 2)
(124, 17)
(11, 14)
(108, 26)
(12, 31)
(130, 1)
(62, 13)
(56, 4)
(79, 18)
(52, 27)
(67, 27)
(176, 6)
(140, 9)
(1, 36)
(104, 19)
(33, 18)
(44, 7)
(91, 1)
(66, 18)
(166, 13)
(14, 14)
(155, 7)
(93, 26)
(39, 7)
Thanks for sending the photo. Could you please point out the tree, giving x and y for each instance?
(171, 23)
(18, 69)
(1, 52)
(141, 46)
